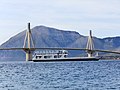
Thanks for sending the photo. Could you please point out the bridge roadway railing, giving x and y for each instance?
(58, 48)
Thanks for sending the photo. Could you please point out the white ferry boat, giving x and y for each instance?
(58, 55)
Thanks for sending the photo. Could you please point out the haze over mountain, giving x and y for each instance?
(50, 37)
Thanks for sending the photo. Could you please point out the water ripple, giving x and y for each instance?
(101, 75)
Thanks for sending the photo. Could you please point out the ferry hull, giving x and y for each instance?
(67, 59)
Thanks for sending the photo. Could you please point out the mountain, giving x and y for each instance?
(50, 37)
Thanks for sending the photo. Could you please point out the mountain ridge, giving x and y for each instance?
(52, 37)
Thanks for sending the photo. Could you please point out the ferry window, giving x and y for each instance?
(60, 56)
(55, 56)
(40, 56)
(36, 56)
(47, 56)
(65, 55)
(60, 52)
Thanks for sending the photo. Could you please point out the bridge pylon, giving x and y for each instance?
(28, 44)
(90, 45)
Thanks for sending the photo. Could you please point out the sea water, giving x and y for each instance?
(87, 75)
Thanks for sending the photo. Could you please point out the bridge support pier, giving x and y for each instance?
(28, 55)
(90, 53)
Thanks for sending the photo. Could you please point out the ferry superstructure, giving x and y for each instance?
(58, 55)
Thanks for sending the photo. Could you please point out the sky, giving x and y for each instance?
(100, 16)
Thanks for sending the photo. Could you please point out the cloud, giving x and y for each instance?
(80, 15)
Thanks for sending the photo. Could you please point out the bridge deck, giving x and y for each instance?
(58, 48)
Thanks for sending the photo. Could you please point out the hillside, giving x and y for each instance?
(50, 37)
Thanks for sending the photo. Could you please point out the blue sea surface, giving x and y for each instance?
(88, 75)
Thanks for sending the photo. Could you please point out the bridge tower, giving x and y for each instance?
(90, 45)
(28, 44)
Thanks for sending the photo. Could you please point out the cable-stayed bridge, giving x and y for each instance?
(29, 46)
